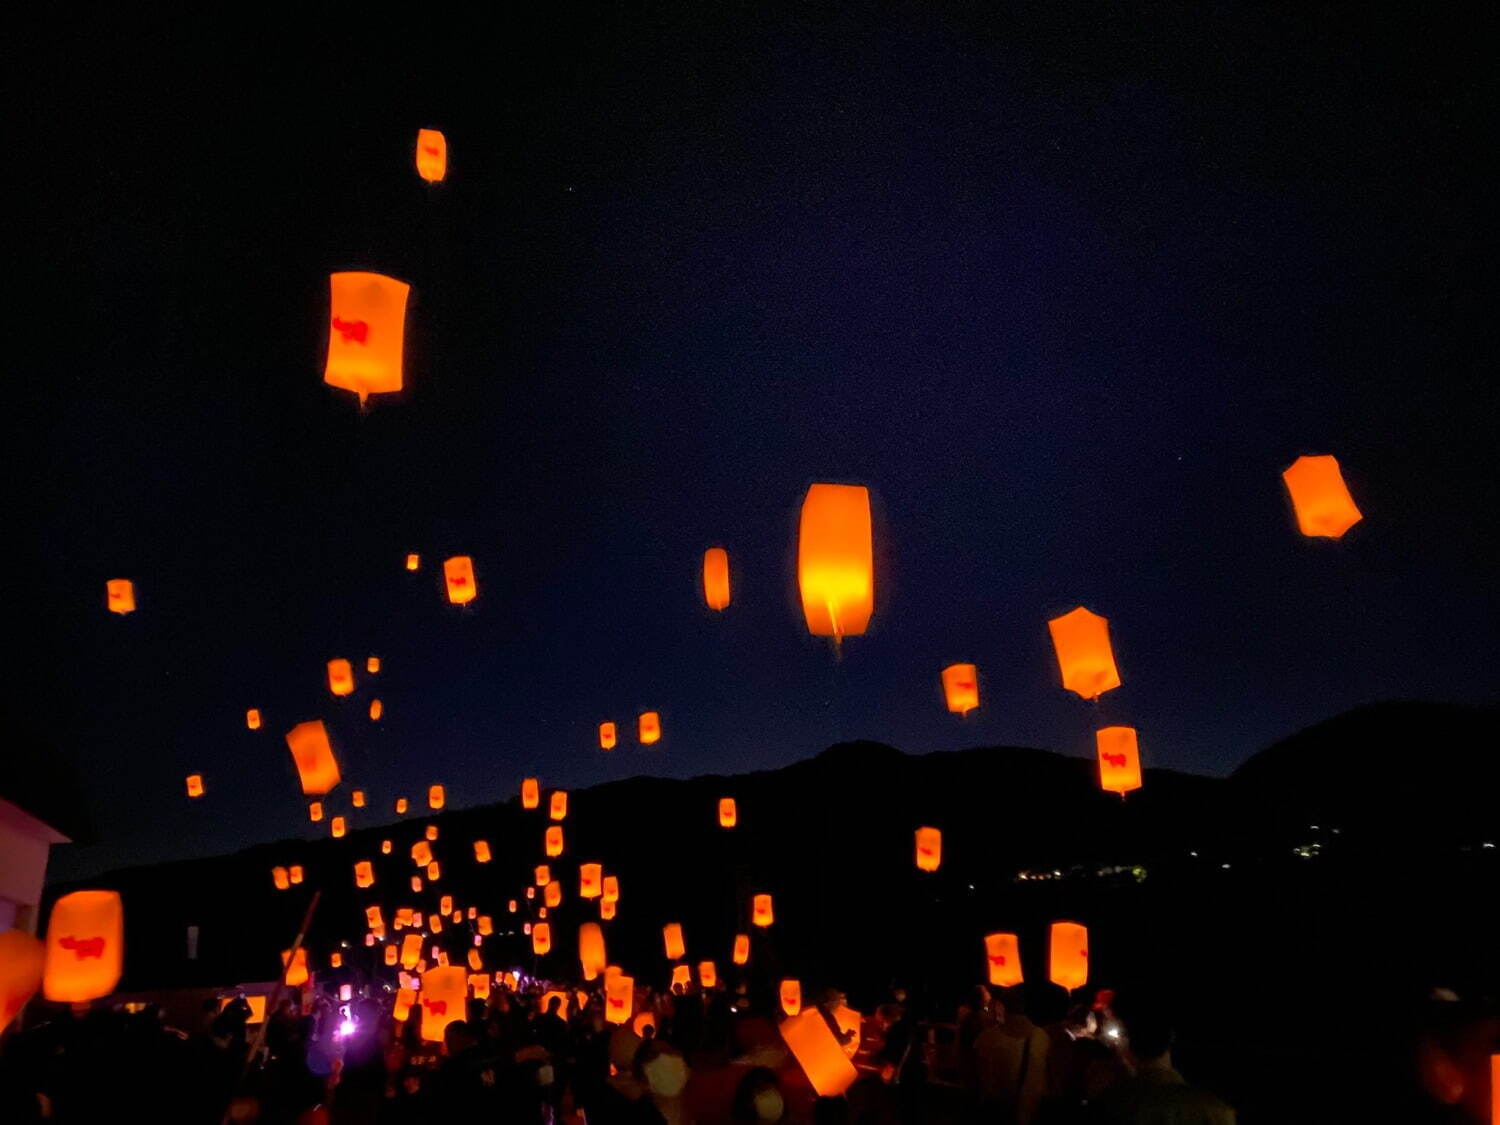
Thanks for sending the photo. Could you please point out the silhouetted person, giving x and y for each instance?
(1011, 1058)
(1155, 1094)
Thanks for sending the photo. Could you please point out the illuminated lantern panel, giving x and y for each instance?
(416, 884)
(619, 998)
(295, 965)
(649, 728)
(611, 888)
(1002, 953)
(377, 709)
(85, 951)
(590, 878)
(413, 562)
(642, 1022)
(338, 827)
(542, 875)
(552, 895)
(607, 736)
(486, 925)
(541, 938)
(682, 976)
(391, 955)
(315, 811)
(279, 877)
(554, 841)
(479, 985)
(357, 798)
(741, 949)
(195, 785)
(366, 328)
(716, 577)
(929, 849)
(421, 853)
(385, 847)
(476, 962)
(828, 1069)
(708, 974)
(411, 951)
(313, 754)
(607, 909)
(405, 998)
(728, 814)
(372, 665)
(835, 560)
(119, 595)
(671, 935)
(791, 997)
(435, 797)
(434, 872)
(591, 953)
(481, 851)
(336, 961)
(401, 806)
(432, 155)
(252, 719)
(559, 805)
(761, 911)
(961, 688)
(1068, 961)
(849, 1021)
(531, 793)
(445, 996)
(1081, 641)
(458, 577)
(431, 832)
(364, 874)
(1321, 499)
(1119, 760)
(373, 918)
(294, 873)
(340, 677)
(435, 924)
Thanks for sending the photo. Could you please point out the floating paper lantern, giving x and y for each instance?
(279, 877)
(761, 911)
(401, 806)
(558, 809)
(479, 985)
(435, 924)
(458, 577)
(340, 677)
(541, 875)
(338, 826)
(357, 798)
(373, 918)
(377, 709)
(405, 998)
(385, 847)
(364, 874)
(313, 754)
(531, 793)
(554, 841)
(85, 951)
(1002, 953)
(392, 954)
(607, 737)
(619, 998)
(828, 1069)
(741, 949)
(929, 849)
(1321, 499)
(649, 728)
(708, 974)
(671, 936)
(421, 853)
(434, 871)
(682, 976)
(372, 665)
(611, 888)
(486, 925)
(644, 1024)
(541, 938)
(416, 884)
(413, 562)
(432, 155)
(591, 954)
(791, 997)
(1068, 961)
(444, 997)
(481, 851)
(366, 329)
(961, 688)
(607, 910)
(294, 964)
(590, 878)
(195, 785)
(445, 904)
(552, 895)
(294, 873)
(431, 832)
(336, 961)
(716, 577)
(728, 813)
(315, 811)
(835, 567)
(252, 719)
(1081, 641)
(1119, 760)
(435, 797)
(119, 596)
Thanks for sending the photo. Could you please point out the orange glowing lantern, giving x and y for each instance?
(619, 998)
(444, 998)
(1068, 961)
(21, 961)
(401, 806)
(716, 577)
(315, 811)
(445, 904)
(649, 728)
(791, 997)
(416, 884)
(1321, 499)
(835, 553)
(671, 936)
(365, 333)
(961, 688)
(294, 873)
(479, 985)
(607, 736)
(643, 1023)
(434, 871)
(542, 875)
(195, 785)
(279, 877)
(486, 925)
(340, 677)
(929, 849)
(405, 998)
(458, 576)
(850, 1024)
(476, 962)
(1002, 952)
(590, 876)
(554, 841)
(372, 665)
(741, 949)
(541, 938)
(552, 895)
(385, 847)
(708, 974)
(435, 798)
(421, 853)
(607, 909)
(373, 918)
(252, 718)
(432, 155)
(1081, 640)
(550, 995)
(119, 596)
(682, 976)
(816, 1050)
(364, 874)
(435, 924)
(295, 966)
(431, 832)
(728, 813)
(531, 793)
(559, 805)
(377, 709)
(313, 754)
(392, 954)
(611, 887)
(762, 913)
(336, 961)
(481, 851)
(413, 562)
(591, 953)
(357, 798)
(338, 827)
(1119, 760)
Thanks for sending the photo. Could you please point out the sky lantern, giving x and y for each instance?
(435, 924)
(1081, 640)
(445, 904)
(405, 998)
(294, 964)
(432, 155)
(929, 849)
(364, 874)
(315, 811)
(835, 567)
(294, 874)
(682, 976)
(542, 874)
(716, 577)
(611, 888)
(643, 1021)
(761, 911)
(431, 832)
(280, 879)
(372, 665)
(421, 853)
(541, 938)
(119, 596)
(413, 562)
(741, 953)
(392, 955)
(531, 793)
(552, 894)
(591, 954)
(313, 754)
(590, 878)
(828, 1069)
(554, 841)
(607, 909)
(1119, 760)
(961, 688)
(1002, 953)
(252, 719)
(559, 804)
(1068, 960)
(366, 327)
(416, 884)
(435, 797)
(486, 925)
(791, 996)
(340, 677)
(708, 974)
(458, 577)
(385, 847)
(336, 961)
(619, 998)
(357, 798)
(401, 806)
(479, 985)
(373, 918)
(481, 851)
(338, 826)
(476, 962)
(671, 936)
(85, 950)
(444, 998)
(648, 728)
(607, 736)
(1324, 508)
(728, 814)
(377, 709)
(434, 871)
(195, 785)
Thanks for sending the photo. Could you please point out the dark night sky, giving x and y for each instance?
(1068, 288)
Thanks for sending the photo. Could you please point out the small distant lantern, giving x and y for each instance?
(741, 949)
(671, 935)
(716, 578)
(195, 785)
(554, 841)
(728, 813)
(119, 596)
(531, 793)
(1321, 499)
(607, 737)
(1119, 760)
(929, 849)
(762, 912)
(458, 576)
(649, 728)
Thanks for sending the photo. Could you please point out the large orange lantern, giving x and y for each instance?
(708, 974)
(252, 719)
(591, 954)
(340, 677)
(195, 785)
(1002, 953)
(590, 878)
(816, 1050)
(1119, 760)
(961, 688)
(541, 875)
(648, 728)
(295, 973)
(552, 895)
(1321, 499)
(119, 596)
(929, 849)
(791, 997)
(541, 938)
(762, 912)
(835, 567)
(364, 874)
(338, 827)
(481, 851)
(432, 155)
(1081, 640)
(607, 736)
(611, 888)
(554, 841)
(1068, 960)
(421, 853)
(444, 998)
(365, 333)
(531, 793)
(435, 797)
(458, 576)
(671, 936)
(279, 877)
(741, 949)
(558, 809)
(728, 814)
(21, 961)
(313, 754)
(619, 998)
(716, 577)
